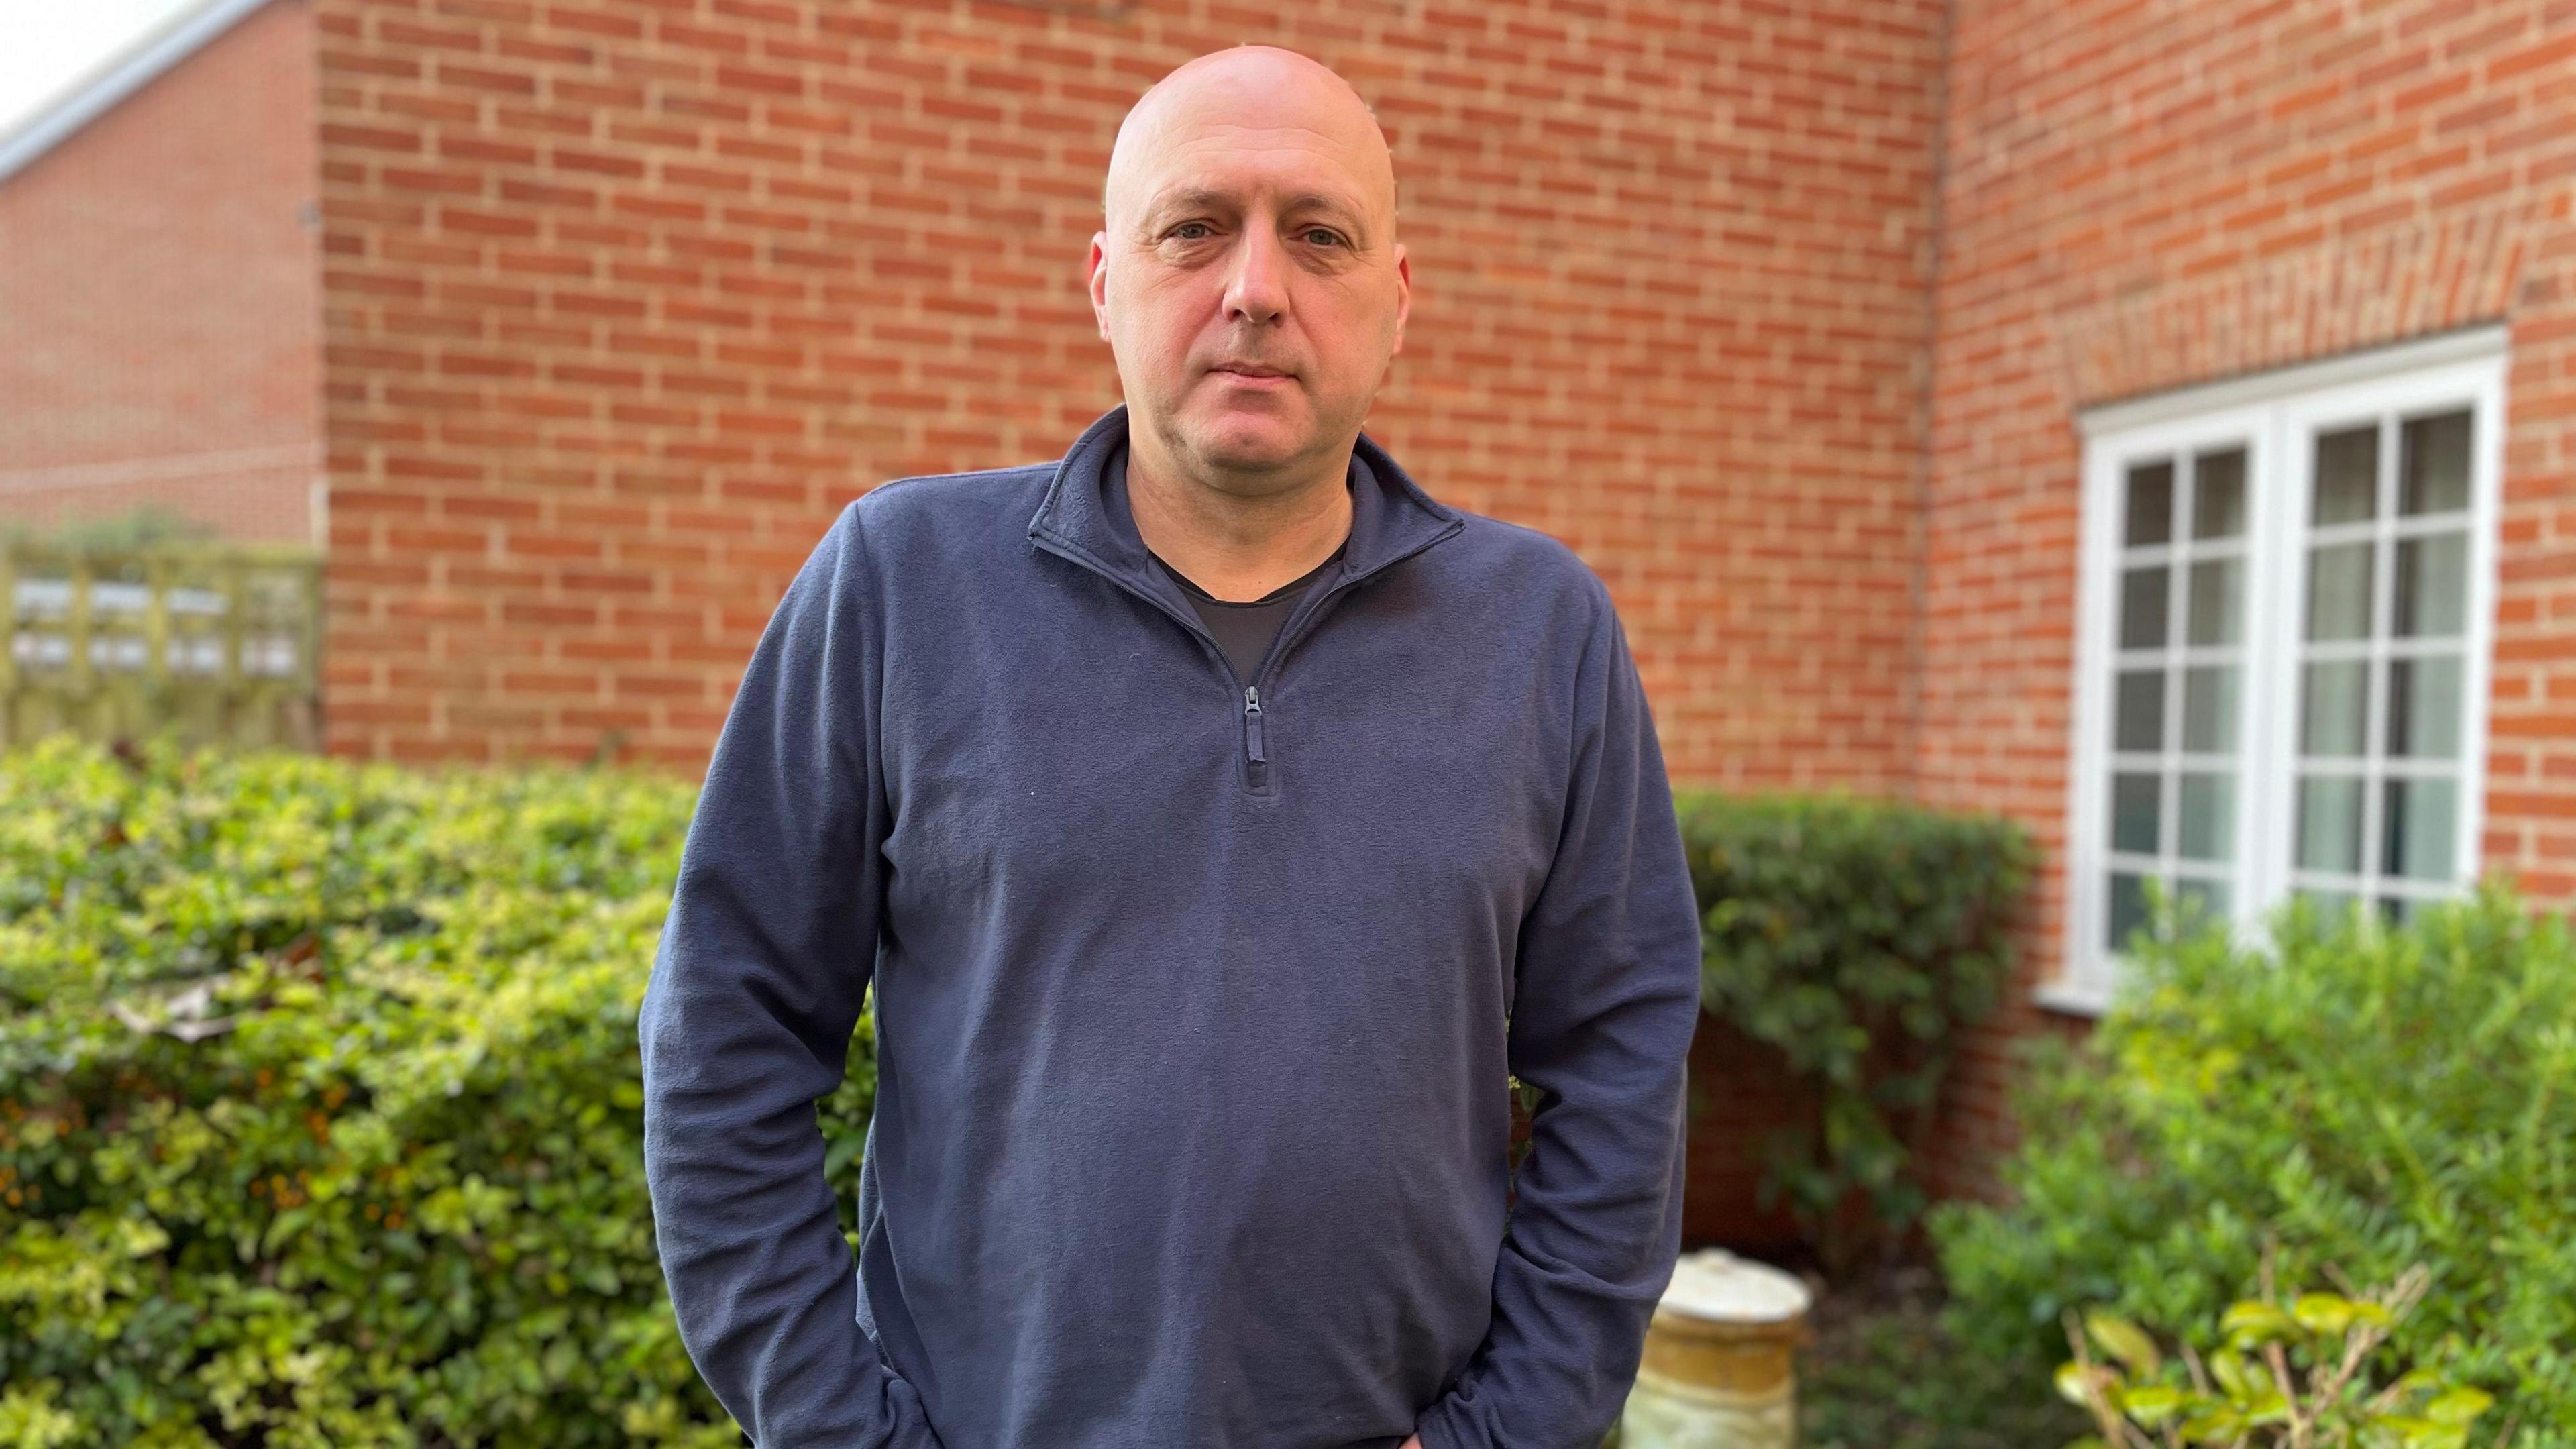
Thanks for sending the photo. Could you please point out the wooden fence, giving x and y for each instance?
(215, 642)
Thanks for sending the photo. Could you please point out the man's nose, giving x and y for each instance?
(1256, 281)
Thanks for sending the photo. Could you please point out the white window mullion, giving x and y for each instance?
(2486, 508)
(2270, 605)
(2374, 674)
(2177, 569)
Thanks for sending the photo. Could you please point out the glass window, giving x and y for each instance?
(2284, 645)
(2181, 631)
(2385, 700)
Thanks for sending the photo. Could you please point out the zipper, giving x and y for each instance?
(1254, 761)
(1256, 758)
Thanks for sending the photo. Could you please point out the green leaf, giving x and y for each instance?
(286, 1225)
(2124, 1341)
(2219, 1423)
(2070, 1383)
(2267, 1407)
(2426, 1434)
(2254, 1322)
(844, 1147)
(2235, 1377)
(2322, 1312)
(2459, 1406)
(2152, 1404)
(2419, 1379)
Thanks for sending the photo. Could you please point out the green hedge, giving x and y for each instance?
(1857, 939)
(319, 1103)
(2365, 1097)
(399, 1200)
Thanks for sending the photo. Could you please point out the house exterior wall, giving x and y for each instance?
(160, 299)
(625, 300)
(2140, 197)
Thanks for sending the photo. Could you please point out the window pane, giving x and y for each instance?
(2333, 908)
(2421, 816)
(2330, 825)
(2217, 594)
(2206, 817)
(2432, 586)
(2128, 908)
(2196, 901)
(2424, 707)
(2141, 712)
(2433, 464)
(2330, 707)
(2134, 808)
(2218, 494)
(2151, 503)
(2142, 607)
(2209, 708)
(2339, 591)
(2348, 475)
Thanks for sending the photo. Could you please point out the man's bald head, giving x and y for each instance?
(1250, 87)
(1247, 275)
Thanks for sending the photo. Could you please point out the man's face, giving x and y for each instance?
(1249, 283)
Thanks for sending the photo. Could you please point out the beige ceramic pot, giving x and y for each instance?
(1719, 1370)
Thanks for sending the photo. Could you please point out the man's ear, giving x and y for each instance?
(1098, 279)
(1403, 296)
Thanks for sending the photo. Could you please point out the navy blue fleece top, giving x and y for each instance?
(1196, 995)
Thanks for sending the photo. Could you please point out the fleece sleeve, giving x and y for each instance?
(1607, 997)
(755, 989)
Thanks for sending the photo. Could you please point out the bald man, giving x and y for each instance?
(1222, 820)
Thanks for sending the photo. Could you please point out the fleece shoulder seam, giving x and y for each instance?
(1012, 474)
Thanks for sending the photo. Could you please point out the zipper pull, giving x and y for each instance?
(1252, 724)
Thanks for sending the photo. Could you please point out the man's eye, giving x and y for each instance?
(1330, 238)
(1185, 226)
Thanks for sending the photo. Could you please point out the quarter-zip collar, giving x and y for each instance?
(1391, 518)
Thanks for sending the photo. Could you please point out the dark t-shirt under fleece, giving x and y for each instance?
(1194, 1025)
(1242, 629)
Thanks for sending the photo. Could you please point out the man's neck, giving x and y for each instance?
(1236, 547)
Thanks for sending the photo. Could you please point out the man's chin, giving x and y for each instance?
(1250, 443)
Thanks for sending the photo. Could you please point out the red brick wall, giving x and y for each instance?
(2138, 197)
(160, 299)
(624, 300)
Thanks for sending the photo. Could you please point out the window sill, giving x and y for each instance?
(2074, 997)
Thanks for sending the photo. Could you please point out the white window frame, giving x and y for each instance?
(2272, 415)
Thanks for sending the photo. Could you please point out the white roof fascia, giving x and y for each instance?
(120, 76)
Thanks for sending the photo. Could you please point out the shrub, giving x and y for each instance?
(137, 527)
(1856, 939)
(2293, 1371)
(2365, 1097)
(320, 1114)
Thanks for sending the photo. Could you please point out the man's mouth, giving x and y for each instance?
(1251, 369)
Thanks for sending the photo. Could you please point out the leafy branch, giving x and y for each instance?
(2289, 1373)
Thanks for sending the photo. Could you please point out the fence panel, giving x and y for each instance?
(218, 643)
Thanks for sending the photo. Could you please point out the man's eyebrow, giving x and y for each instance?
(1191, 197)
